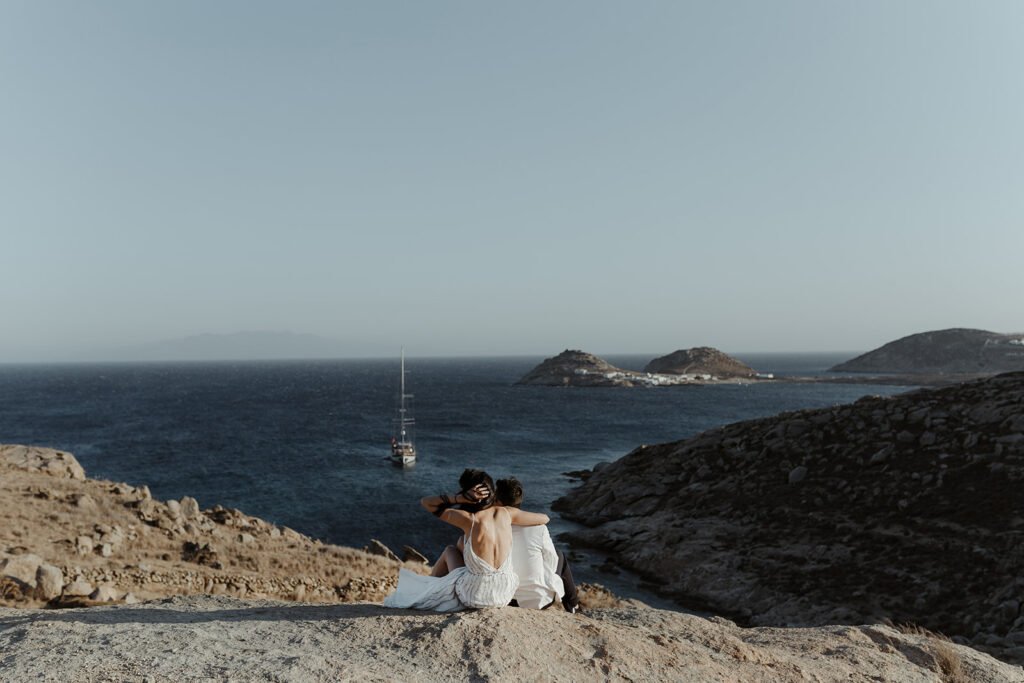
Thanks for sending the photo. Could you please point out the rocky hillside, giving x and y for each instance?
(906, 508)
(955, 351)
(226, 639)
(69, 540)
(702, 360)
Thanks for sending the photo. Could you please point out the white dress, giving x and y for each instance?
(475, 585)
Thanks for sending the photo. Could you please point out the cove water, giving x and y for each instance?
(304, 443)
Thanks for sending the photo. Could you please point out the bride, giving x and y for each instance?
(482, 575)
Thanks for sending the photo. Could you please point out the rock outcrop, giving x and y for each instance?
(221, 638)
(36, 459)
(906, 508)
(954, 351)
(702, 360)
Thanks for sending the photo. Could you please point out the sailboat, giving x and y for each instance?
(403, 451)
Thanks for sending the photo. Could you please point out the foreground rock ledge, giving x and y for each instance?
(221, 638)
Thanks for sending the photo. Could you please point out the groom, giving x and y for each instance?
(543, 572)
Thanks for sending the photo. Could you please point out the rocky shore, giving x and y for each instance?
(906, 508)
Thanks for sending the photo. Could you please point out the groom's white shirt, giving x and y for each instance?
(536, 564)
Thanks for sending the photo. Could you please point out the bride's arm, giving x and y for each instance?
(524, 518)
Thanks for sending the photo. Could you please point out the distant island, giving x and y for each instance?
(702, 360)
(703, 365)
(957, 351)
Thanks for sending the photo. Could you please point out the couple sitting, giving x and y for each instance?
(505, 555)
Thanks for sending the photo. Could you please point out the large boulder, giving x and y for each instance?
(49, 582)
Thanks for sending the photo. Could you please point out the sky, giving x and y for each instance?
(469, 178)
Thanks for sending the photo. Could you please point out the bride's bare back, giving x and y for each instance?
(491, 535)
(490, 530)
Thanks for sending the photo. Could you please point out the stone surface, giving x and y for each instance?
(223, 638)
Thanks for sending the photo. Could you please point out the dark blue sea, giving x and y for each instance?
(304, 443)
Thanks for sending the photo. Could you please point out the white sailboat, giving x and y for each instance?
(403, 450)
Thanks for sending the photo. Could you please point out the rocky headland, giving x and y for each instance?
(905, 508)
(702, 360)
(963, 352)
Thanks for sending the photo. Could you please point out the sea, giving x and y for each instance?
(304, 443)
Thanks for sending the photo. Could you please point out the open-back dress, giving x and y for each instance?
(476, 585)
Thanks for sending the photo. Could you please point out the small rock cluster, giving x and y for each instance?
(905, 508)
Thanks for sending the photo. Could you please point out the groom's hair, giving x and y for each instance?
(510, 492)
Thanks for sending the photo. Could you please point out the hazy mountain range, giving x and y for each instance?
(256, 345)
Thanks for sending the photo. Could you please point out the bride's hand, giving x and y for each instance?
(478, 493)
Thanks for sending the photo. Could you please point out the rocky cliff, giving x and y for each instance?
(702, 360)
(906, 508)
(955, 351)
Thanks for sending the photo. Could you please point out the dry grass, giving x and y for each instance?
(596, 596)
(11, 590)
(947, 660)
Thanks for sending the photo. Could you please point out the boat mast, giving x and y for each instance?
(402, 419)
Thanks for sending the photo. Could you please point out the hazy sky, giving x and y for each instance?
(484, 178)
